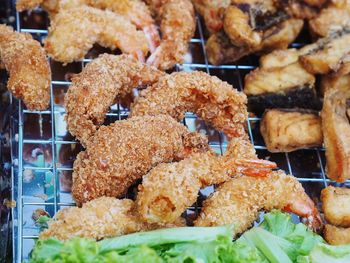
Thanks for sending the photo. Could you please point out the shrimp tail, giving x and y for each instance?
(253, 167)
(152, 36)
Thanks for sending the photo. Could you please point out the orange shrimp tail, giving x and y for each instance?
(254, 167)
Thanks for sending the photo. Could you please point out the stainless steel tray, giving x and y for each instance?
(43, 151)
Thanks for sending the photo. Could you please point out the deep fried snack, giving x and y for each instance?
(341, 83)
(336, 205)
(329, 53)
(168, 189)
(336, 132)
(215, 101)
(95, 89)
(121, 153)
(239, 200)
(290, 130)
(73, 32)
(28, 67)
(336, 235)
(177, 26)
(301, 9)
(220, 50)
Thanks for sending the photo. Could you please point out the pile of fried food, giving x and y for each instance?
(151, 144)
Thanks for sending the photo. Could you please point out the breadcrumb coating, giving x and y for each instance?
(336, 235)
(239, 200)
(177, 26)
(73, 32)
(169, 188)
(95, 89)
(28, 67)
(124, 151)
(101, 218)
(213, 100)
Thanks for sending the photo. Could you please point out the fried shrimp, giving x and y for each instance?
(73, 32)
(95, 89)
(211, 99)
(239, 200)
(177, 26)
(168, 189)
(124, 151)
(100, 218)
(28, 67)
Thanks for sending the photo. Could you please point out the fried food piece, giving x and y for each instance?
(121, 153)
(329, 54)
(28, 67)
(73, 32)
(334, 82)
(336, 205)
(220, 50)
(22, 5)
(290, 130)
(239, 200)
(336, 235)
(169, 188)
(301, 9)
(213, 100)
(177, 26)
(336, 132)
(95, 89)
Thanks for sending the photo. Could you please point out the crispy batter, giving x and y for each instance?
(73, 32)
(329, 54)
(168, 189)
(177, 26)
(239, 200)
(336, 205)
(334, 82)
(213, 100)
(22, 5)
(100, 218)
(336, 235)
(290, 130)
(95, 89)
(124, 151)
(300, 9)
(336, 132)
(28, 67)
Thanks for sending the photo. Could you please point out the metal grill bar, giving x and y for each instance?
(24, 232)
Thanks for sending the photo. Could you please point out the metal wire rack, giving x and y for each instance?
(43, 151)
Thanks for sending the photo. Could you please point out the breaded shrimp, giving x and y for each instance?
(100, 218)
(135, 11)
(239, 200)
(121, 153)
(28, 67)
(177, 26)
(169, 188)
(73, 32)
(95, 89)
(211, 99)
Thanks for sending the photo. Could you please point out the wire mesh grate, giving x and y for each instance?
(43, 150)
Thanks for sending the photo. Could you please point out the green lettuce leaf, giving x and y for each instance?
(141, 254)
(323, 253)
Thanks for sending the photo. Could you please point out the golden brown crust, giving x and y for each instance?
(336, 235)
(22, 5)
(213, 100)
(336, 205)
(28, 67)
(286, 131)
(73, 32)
(124, 151)
(239, 200)
(95, 89)
(336, 132)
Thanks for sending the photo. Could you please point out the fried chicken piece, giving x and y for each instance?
(336, 235)
(73, 32)
(28, 67)
(121, 153)
(220, 50)
(329, 54)
(177, 26)
(239, 200)
(95, 89)
(213, 100)
(336, 132)
(100, 218)
(169, 188)
(336, 205)
(290, 130)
